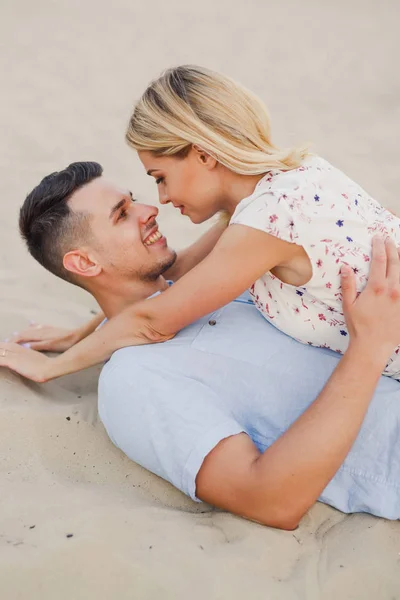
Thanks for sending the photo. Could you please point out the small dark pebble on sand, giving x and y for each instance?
(93, 312)
(69, 535)
(68, 418)
(32, 527)
(79, 396)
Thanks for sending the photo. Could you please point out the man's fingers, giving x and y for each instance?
(24, 337)
(393, 265)
(41, 346)
(377, 273)
(349, 291)
(32, 334)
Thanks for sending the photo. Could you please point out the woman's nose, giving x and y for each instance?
(163, 197)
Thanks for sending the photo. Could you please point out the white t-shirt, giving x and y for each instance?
(321, 209)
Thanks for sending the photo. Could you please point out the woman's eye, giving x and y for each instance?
(159, 180)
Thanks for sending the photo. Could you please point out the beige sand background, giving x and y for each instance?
(70, 72)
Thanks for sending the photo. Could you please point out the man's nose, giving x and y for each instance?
(146, 212)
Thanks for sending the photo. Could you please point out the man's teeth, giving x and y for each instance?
(153, 238)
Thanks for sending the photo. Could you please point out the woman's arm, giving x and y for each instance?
(189, 257)
(277, 487)
(240, 257)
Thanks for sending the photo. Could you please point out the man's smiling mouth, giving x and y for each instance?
(153, 238)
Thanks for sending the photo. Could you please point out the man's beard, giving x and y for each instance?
(159, 269)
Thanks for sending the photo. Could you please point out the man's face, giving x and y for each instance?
(124, 240)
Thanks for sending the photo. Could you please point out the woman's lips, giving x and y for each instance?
(179, 207)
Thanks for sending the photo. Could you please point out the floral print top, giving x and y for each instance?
(318, 207)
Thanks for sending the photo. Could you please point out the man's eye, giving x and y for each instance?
(122, 214)
(159, 180)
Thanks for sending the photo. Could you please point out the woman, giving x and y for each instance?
(295, 220)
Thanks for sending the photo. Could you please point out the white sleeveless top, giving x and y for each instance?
(318, 207)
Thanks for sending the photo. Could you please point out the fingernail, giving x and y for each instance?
(26, 345)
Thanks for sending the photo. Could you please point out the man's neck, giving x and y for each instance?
(113, 299)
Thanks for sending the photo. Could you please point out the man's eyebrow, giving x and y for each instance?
(116, 207)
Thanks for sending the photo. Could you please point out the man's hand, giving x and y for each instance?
(28, 363)
(46, 338)
(279, 486)
(373, 317)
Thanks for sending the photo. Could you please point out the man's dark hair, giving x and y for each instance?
(47, 224)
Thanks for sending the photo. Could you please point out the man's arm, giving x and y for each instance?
(47, 338)
(191, 256)
(239, 258)
(278, 487)
(55, 339)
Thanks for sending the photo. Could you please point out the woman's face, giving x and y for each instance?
(192, 184)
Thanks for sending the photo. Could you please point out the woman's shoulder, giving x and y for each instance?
(312, 168)
(310, 192)
(278, 187)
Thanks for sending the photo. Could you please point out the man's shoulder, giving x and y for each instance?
(134, 364)
(129, 360)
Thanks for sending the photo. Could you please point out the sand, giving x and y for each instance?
(70, 72)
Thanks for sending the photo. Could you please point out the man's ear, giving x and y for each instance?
(80, 263)
(204, 158)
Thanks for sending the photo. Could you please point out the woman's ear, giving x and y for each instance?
(203, 157)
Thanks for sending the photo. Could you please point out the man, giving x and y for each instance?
(231, 411)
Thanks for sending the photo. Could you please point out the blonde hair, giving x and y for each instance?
(190, 105)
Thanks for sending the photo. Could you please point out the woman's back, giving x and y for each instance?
(318, 207)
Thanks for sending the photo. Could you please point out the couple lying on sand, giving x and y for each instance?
(228, 408)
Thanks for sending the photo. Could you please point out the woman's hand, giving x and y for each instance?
(46, 338)
(28, 363)
(373, 317)
(33, 365)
